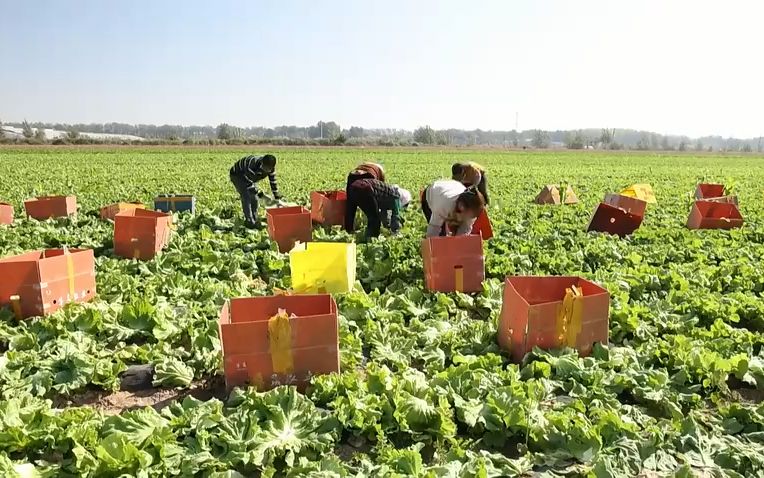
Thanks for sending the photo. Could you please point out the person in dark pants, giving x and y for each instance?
(245, 174)
(372, 197)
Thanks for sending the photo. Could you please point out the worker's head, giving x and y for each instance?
(469, 205)
(269, 163)
(375, 169)
(466, 174)
(456, 171)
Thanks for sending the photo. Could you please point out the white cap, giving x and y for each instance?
(404, 194)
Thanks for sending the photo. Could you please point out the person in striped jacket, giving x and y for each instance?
(245, 174)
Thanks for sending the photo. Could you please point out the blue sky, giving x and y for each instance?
(685, 67)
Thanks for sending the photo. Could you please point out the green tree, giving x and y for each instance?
(746, 148)
(665, 145)
(225, 131)
(355, 132)
(607, 136)
(575, 140)
(26, 130)
(39, 135)
(682, 146)
(340, 139)
(699, 145)
(540, 139)
(72, 134)
(424, 135)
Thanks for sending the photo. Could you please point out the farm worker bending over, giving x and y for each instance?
(471, 175)
(449, 206)
(405, 197)
(372, 197)
(245, 174)
(366, 171)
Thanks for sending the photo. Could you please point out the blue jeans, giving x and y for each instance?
(248, 194)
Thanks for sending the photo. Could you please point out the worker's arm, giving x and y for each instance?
(483, 186)
(395, 218)
(435, 225)
(351, 206)
(274, 185)
(465, 228)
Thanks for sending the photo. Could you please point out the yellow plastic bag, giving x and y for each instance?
(643, 192)
(569, 317)
(280, 338)
(322, 267)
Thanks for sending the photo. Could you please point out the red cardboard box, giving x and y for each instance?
(110, 211)
(707, 191)
(6, 213)
(252, 353)
(618, 215)
(714, 215)
(46, 207)
(288, 225)
(453, 263)
(41, 282)
(629, 204)
(328, 207)
(532, 315)
(140, 234)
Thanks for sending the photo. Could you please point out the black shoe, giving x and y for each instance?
(258, 226)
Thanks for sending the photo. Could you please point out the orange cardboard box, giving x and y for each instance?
(482, 226)
(550, 194)
(288, 225)
(714, 215)
(533, 315)
(41, 282)
(140, 234)
(6, 213)
(328, 207)
(253, 353)
(108, 212)
(453, 263)
(46, 207)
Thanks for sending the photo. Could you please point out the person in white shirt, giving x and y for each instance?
(450, 207)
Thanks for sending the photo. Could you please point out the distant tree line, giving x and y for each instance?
(331, 133)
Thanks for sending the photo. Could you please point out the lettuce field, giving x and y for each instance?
(425, 390)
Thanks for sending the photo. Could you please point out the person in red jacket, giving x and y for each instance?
(366, 171)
